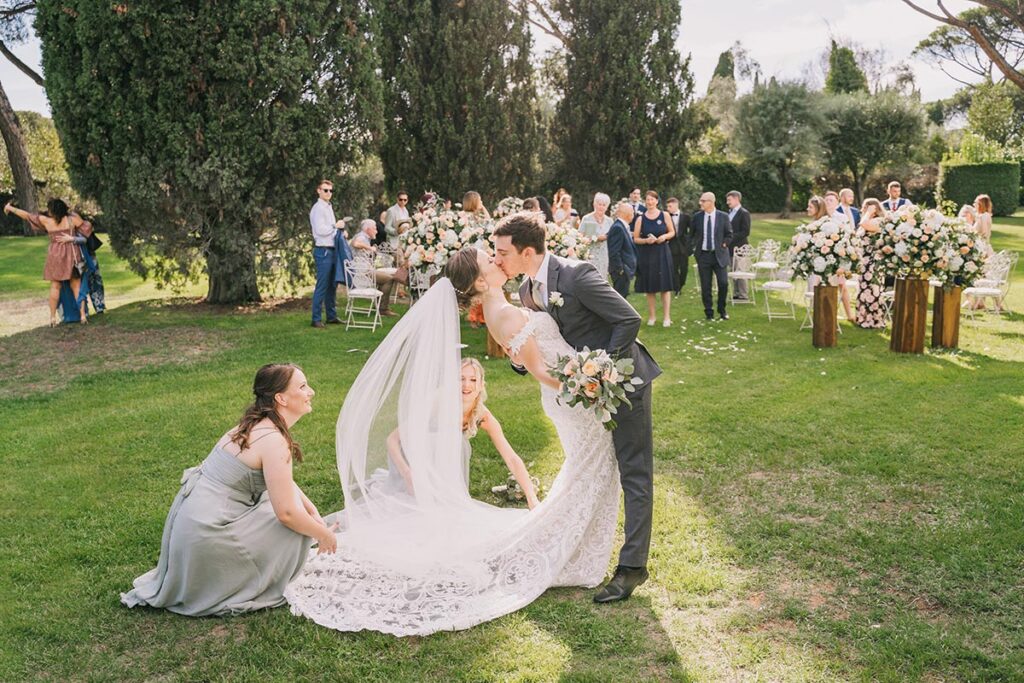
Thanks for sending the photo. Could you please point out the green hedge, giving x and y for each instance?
(761, 189)
(962, 182)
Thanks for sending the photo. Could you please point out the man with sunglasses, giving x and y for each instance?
(324, 225)
(397, 214)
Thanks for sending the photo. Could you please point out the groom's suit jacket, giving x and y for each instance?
(592, 314)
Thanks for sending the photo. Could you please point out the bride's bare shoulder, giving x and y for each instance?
(506, 323)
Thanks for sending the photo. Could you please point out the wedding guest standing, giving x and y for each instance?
(846, 206)
(968, 214)
(473, 207)
(396, 214)
(895, 200)
(870, 311)
(832, 206)
(64, 258)
(621, 252)
(362, 247)
(321, 220)
(636, 201)
(983, 220)
(651, 232)
(85, 237)
(816, 208)
(564, 213)
(596, 225)
(239, 529)
(710, 235)
(678, 246)
(739, 219)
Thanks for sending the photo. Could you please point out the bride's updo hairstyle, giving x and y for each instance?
(270, 380)
(463, 269)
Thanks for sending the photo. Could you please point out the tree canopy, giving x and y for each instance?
(202, 128)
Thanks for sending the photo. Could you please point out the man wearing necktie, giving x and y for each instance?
(710, 235)
(739, 220)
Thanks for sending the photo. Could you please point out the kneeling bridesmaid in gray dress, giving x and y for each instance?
(240, 528)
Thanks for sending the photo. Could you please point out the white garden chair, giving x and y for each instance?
(994, 285)
(767, 260)
(419, 283)
(783, 289)
(808, 323)
(362, 306)
(743, 269)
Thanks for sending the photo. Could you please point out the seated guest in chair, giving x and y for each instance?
(362, 247)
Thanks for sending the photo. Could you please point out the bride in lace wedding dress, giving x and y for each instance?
(436, 559)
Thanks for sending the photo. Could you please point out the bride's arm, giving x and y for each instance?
(512, 460)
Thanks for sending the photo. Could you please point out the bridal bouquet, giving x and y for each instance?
(960, 256)
(507, 207)
(910, 243)
(436, 236)
(566, 241)
(596, 381)
(828, 248)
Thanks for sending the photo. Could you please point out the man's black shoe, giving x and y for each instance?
(621, 585)
(318, 324)
(334, 321)
(724, 316)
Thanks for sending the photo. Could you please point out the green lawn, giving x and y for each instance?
(845, 514)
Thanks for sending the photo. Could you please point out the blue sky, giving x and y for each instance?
(783, 35)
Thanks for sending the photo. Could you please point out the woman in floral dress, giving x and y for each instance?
(870, 310)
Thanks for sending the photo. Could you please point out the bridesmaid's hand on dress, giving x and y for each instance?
(327, 542)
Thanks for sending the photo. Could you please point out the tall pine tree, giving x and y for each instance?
(844, 75)
(460, 98)
(626, 117)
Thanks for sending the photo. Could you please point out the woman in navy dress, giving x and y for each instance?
(652, 231)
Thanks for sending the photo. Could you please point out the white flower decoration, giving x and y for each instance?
(555, 299)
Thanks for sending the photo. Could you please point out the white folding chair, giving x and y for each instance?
(767, 259)
(365, 315)
(743, 269)
(782, 286)
(808, 323)
(994, 285)
(419, 283)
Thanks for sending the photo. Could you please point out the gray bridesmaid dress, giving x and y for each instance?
(223, 549)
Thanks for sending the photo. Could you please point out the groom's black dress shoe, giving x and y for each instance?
(622, 585)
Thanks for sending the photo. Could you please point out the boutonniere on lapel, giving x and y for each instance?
(555, 299)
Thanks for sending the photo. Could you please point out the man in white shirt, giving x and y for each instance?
(324, 226)
(396, 214)
(362, 247)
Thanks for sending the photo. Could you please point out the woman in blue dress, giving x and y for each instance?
(652, 231)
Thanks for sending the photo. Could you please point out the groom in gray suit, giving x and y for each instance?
(590, 313)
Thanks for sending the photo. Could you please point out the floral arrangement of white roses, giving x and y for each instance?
(912, 243)
(828, 248)
(960, 256)
(507, 207)
(436, 236)
(567, 241)
(596, 381)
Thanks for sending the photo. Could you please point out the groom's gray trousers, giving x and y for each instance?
(634, 450)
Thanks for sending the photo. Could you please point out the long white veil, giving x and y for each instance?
(402, 458)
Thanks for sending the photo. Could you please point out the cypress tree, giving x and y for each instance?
(726, 67)
(203, 127)
(844, 75)
(625, 118)
(460, 98)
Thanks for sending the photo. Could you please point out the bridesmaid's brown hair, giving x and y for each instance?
(270, 380)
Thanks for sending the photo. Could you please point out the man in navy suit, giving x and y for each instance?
(621, 253)
(710, 235)
(846, 206)
(895, 201)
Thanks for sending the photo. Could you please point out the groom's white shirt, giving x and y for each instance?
(542, 279)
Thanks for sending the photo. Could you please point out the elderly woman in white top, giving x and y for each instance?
(596, 225)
